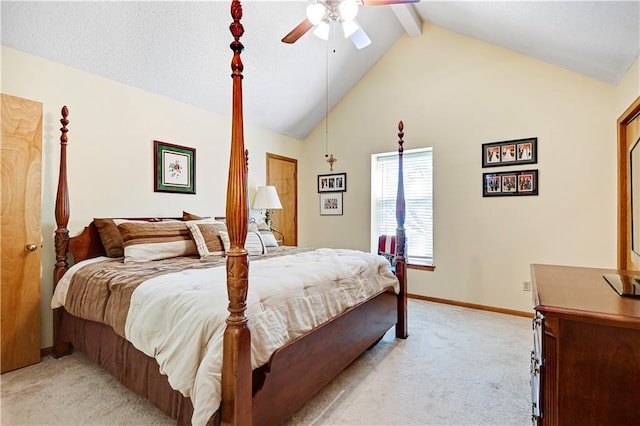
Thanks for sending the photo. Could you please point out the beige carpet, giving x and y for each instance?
(459, 366)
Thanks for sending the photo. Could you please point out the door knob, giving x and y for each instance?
(31, 247)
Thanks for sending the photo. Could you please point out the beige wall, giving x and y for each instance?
(629, 88)
(455, 93)
(110, 153)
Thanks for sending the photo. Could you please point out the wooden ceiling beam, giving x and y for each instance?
(409, 18)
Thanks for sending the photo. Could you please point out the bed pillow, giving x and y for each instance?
(269, 239)
(206, 236)
(262, 226)
(253, 244)
(156, 240)
(110, 237)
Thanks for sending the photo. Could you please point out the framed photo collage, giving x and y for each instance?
(510, 153)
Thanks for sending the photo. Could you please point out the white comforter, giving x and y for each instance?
(179, 318)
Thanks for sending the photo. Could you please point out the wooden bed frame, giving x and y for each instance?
(295, 372)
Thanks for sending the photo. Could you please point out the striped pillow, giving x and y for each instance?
(266, 234)
(156, 240)
(387, 247)
(110, 236)
(269, 239)
(253, 244)
(206, 237)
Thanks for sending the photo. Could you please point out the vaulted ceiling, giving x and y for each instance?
(181, 49)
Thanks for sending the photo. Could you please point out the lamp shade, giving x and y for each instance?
(266, 198)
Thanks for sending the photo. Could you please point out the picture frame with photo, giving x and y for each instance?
(174, 167)
(513, 183)
(506, 153)
(331, 204)
(335, 182)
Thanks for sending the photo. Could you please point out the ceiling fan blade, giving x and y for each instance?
(300, 30)
(360, 39)
(383, 2)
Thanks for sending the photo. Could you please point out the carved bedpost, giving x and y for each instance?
(236, 365)
(62, 204)
(401, 244)
(61, 239)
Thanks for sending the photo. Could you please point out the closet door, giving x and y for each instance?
(20, 233)
(282, 172)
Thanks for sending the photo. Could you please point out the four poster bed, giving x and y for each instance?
(133, 312)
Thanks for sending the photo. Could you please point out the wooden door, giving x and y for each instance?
(282, 172)
(628, 135)
(20, 234)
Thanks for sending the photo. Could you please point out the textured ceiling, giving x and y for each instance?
(181, 49)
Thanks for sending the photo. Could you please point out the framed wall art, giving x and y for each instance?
(331, 204)
(175, 168)
(520, 182)
(336, 182)
(507, 153)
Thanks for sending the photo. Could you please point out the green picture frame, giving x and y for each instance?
(174, 168)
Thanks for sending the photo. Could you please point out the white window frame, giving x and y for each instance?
(413, 186)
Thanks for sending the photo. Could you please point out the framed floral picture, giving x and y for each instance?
(175, 168)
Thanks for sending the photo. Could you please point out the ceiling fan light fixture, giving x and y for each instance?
(315, 13)
(360, 39)
(349, 27)
(348, 10)
(322, 30)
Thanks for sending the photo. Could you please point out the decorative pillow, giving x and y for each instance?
(156, 240)
(110, 237)
(253, 244)
(391, 258)
(262, 226)
(269, 239)
(206, 237)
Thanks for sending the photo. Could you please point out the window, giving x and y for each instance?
(418, 190)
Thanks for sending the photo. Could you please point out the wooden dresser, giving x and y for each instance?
(585, 364)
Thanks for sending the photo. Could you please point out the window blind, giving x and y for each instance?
(418, 189)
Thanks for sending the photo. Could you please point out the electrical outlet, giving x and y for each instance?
(526, 285)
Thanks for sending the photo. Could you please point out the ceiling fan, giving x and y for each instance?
(322, 13)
